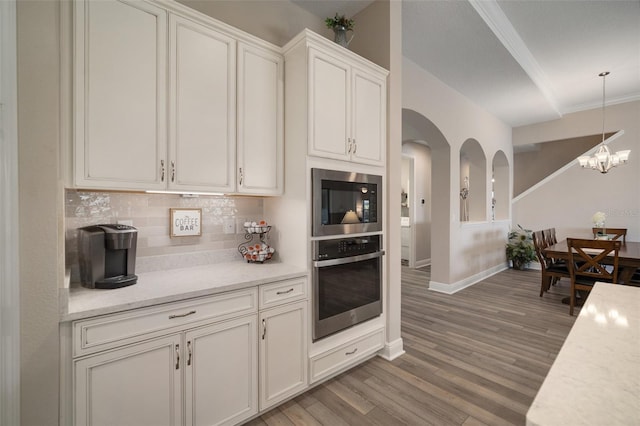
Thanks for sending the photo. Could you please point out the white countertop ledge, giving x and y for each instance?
(173, 285)
(595, 380)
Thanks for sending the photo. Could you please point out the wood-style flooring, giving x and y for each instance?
(477, 357)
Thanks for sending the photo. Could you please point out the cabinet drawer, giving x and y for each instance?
(104, 332)
(282, 292)
(346, 355)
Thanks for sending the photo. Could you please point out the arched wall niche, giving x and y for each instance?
(473, 182)
(419, 129)
(500, 200)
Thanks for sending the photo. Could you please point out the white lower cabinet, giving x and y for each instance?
(221, 376)
(142, 384)
(215, 360)
(137, 385)
(283, 353)
(346, 355)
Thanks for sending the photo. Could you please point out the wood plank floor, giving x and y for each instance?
(477, 357)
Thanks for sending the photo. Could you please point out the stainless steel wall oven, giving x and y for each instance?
(345, 202)
(347, 282)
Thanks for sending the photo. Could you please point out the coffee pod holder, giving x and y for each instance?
(256, 252)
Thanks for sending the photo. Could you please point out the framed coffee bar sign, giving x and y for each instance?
(185, 222)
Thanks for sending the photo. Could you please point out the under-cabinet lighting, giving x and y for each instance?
(184, 194)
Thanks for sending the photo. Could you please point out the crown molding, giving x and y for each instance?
(497, 21)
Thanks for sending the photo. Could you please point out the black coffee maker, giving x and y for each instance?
(107, 255)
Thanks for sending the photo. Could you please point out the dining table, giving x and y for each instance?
(628, 257)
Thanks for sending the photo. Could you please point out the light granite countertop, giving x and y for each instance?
(172, 285)
(595, 380)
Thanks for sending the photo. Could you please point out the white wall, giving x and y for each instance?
(474, 250)
(9, 237)
(41, 198)
(569, 201)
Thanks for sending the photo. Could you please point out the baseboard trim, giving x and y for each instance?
(467, 282)
(392, 350)
(422, 263)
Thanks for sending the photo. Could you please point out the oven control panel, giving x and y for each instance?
(346, 247)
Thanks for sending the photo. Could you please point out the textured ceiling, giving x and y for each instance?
(524, 61)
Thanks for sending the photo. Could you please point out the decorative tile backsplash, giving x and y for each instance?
(149, 214)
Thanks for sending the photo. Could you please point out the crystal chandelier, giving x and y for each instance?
(603, 159)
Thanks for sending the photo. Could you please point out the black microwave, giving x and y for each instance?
(345, 202)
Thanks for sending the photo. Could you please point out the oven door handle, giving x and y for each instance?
(345, 260)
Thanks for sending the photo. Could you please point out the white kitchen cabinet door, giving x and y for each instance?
(260, 138)
(221, 373)
(120, 52)
(329, 106)
(202, 69)
(283, 353)
(137, 385)
(369, 106)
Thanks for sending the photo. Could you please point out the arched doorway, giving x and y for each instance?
(419, 130)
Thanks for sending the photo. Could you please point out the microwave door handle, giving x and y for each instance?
(345, 260)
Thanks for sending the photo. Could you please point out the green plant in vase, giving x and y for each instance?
(340, 25)
(520, 250)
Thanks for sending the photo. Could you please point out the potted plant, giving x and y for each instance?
(520, 249)
(340, 22)
(340, 25)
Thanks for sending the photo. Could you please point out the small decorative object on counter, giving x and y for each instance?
(260, 251)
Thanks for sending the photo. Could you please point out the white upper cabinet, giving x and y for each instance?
(260, 139)
(368, 117)
(329, 100)
(201, 108)
(120, 94)
(155, 89)
(346, 103)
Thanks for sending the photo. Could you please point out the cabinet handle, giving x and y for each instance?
(264, 329)
(161, 170)
(177, 357)
(352, 352)
(348, 145)
(241, 176)
(189, 352)
(284, 292)
(173, 171)
(355, 146)
(182, 315)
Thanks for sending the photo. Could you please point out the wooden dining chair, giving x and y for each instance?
(615, 233)
(551, 271)
(587, 264)
(550, 236)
